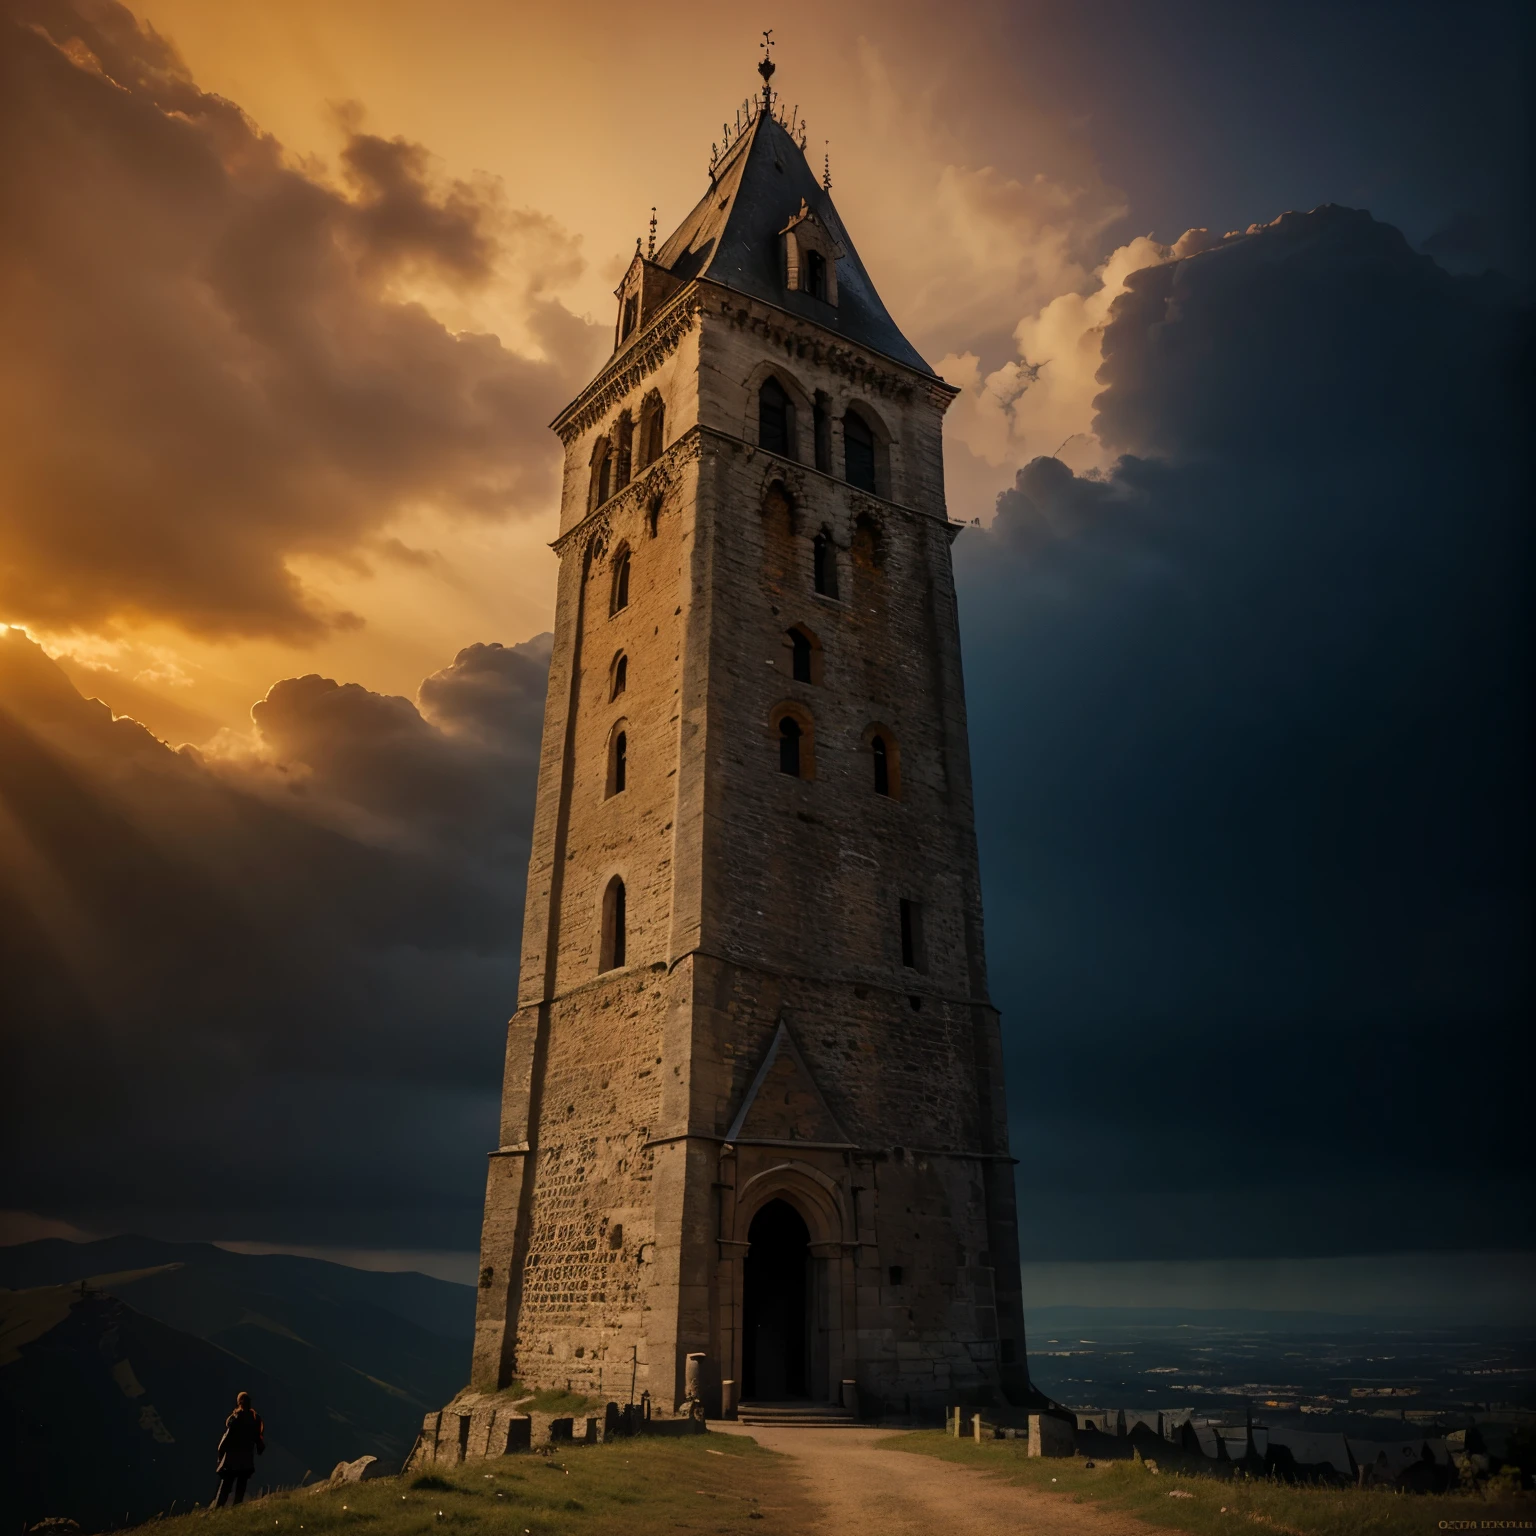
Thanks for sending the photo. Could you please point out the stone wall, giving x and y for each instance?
(757, 903)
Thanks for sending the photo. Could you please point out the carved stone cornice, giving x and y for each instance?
(643, 356)
(807, 340)
(799, 477)
(655, 480)
(800, 338)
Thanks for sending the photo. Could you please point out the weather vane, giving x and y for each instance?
(766, 67)
(650, 252)
(826, 167)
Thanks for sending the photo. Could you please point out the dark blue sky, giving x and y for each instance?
(1223, 115)
(1250, 726)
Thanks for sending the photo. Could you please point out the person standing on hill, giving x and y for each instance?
(244, 1440)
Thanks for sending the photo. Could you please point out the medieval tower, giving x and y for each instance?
(753, 1107)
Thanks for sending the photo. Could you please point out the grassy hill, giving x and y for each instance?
(111, 1403)
(1208, 1498)
(642, 1487)
(107, 1416)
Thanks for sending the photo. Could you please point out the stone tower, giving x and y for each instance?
(753, 1106)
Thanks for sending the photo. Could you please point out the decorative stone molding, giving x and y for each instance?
(632, 366)
(803, 339)
(656, 479)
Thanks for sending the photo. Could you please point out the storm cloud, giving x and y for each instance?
(263, 991)
(1251, 739)
(216, 360)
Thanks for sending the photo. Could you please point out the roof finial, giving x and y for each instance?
(650, 251)
(765, 68)
(826, 167)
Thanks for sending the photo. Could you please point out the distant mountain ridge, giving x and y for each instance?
(113, 1394)
(439, 1306)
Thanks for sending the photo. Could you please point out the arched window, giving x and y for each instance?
(630, 316)
(816, 275)
(800, 655)
(620, 676)
(858, 451)
(620, 598)
(885, 760)
(602, 471)
(789, 745)
(775, 419)
(618, 761)
(652, 429)
(611, 956)
(882, 765)
(824, 564)
(624, 454)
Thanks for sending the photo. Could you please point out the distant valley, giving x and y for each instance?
(120, 1359)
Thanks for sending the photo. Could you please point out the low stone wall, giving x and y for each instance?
(476, 1425)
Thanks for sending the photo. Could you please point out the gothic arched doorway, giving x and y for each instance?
(776, 1286)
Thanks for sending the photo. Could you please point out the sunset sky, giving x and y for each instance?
(290, 293)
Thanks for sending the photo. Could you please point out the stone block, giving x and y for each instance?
(510, 1433)
(1050, 1436)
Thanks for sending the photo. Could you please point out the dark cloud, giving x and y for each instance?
(1251, 735)
(209, 365)
(264, 992)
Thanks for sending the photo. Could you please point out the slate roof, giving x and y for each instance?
(732, 238)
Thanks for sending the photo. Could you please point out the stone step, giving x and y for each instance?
(796, 1415)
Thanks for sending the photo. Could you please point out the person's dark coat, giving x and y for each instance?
(243, 1441)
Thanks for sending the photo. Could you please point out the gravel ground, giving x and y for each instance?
(862, 1491)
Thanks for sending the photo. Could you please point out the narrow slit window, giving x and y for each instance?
(858, 452)
(881, 756)
(912, 935)
(816, 275)
(620, 582)
(618, 762)
(800, 655)
(624, 456)
(620, 676)
(774, 418)
(789, 746)
(824, 565)
(613, 943)
(631, 316)
(821, 430)
(602, 472)
(652, 429)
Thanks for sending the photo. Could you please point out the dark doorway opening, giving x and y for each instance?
(776, 1290)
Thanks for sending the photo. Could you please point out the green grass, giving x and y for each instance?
(558, 1400)
(551, 1400)
(642, 1487)
(1220, 1504)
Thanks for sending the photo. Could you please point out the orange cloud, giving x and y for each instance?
(216, 366)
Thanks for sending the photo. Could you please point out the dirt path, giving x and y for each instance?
(867, 1492)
